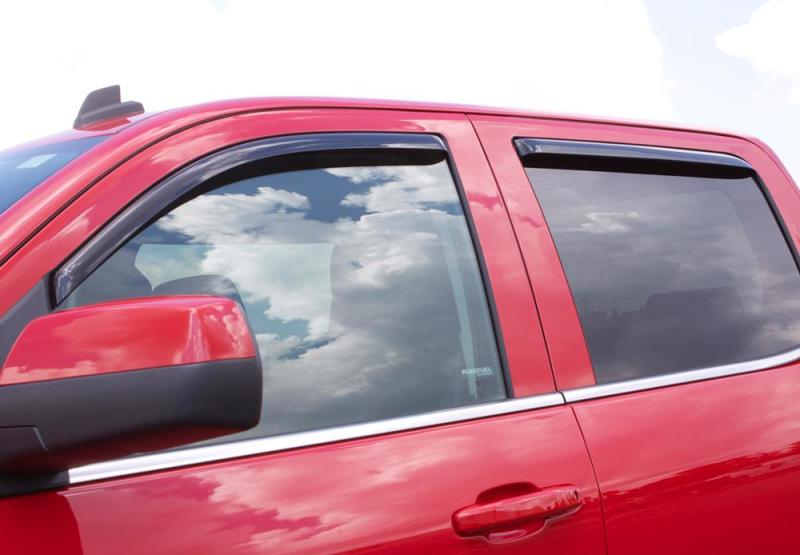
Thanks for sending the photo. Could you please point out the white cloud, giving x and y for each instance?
(344, 290)
(284, 257)
(769, 41)
(236, 217)
(401, 188)
(609, 222)
(577, 56)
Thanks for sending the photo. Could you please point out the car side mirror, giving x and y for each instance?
(108, 380)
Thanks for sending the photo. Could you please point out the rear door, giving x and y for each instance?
(664, 266)
(409, 404)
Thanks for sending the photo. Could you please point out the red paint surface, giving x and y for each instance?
(128, 335)
(395, 493)
(391, 494)
(710, 467)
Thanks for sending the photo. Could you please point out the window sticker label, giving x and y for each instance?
(484, 371)
(35, 161)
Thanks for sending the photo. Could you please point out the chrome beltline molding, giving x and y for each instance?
(221, 452)
(225, 451)
(642, 384)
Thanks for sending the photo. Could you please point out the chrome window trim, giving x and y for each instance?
(531, 147)
(687, 376)
(266, 445)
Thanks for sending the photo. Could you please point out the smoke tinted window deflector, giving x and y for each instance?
(672, 266)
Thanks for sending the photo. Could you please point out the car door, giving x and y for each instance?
(409, 405)
(664, 266)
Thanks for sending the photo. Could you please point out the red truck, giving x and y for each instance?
(328, 326)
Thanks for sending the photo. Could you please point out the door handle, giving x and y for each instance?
(483, 518)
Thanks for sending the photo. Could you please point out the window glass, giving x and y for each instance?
(360, 282)
(22, 170)
(670, 271)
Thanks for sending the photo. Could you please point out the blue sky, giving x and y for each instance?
(716, 89)
(726, 64)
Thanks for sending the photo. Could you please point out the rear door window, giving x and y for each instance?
(671, 266)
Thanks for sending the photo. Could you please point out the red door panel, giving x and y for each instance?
(706, 467)
(391, 494)
(710, 467)
(395, 493)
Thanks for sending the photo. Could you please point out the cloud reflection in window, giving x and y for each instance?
(360, 283)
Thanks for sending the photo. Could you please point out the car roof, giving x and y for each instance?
(275, 103)
(130, 134)
(220, 108)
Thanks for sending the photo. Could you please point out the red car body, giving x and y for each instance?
(707, 465)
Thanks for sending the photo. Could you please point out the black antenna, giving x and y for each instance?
(104, 104)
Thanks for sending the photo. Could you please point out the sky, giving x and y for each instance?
(727, 64)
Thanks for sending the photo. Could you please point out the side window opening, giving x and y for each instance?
(358, 276)
(672, 266)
